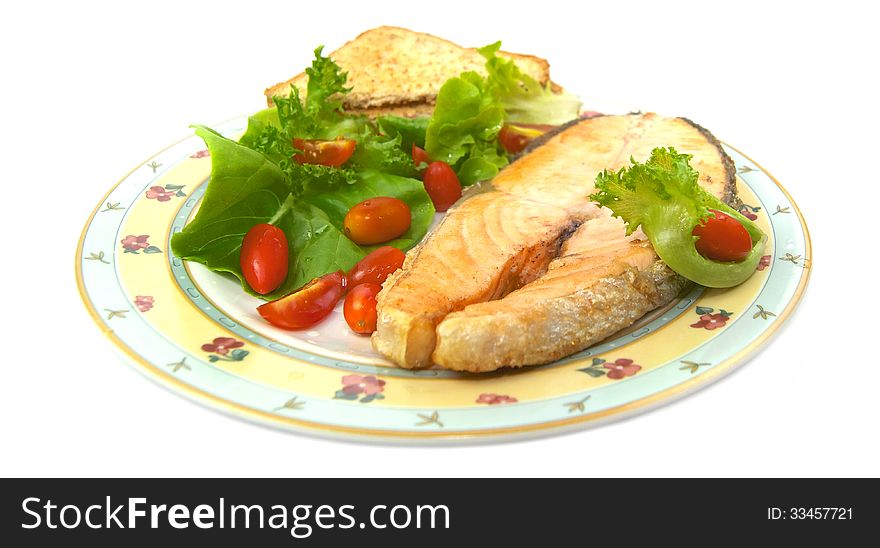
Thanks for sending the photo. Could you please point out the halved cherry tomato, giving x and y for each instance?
(263, 258)
(375, 267)
(722, 238)
(359, 308)
(307, 306)
(377, 220)
(442, 185)
(419, 156)
(516, 137)
(327, 153)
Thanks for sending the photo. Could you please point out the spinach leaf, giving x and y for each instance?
(245, 189)
(373, 184)
(319, 243)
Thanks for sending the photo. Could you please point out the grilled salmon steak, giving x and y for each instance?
(531, 270)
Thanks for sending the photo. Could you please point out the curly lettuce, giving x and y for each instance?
(663, 197)
(523, 98)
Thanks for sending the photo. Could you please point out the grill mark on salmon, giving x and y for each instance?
(530, 270)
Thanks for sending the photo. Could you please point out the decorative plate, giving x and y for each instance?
(198, 334)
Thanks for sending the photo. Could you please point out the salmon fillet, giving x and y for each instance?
(603, 282)
(532, 270)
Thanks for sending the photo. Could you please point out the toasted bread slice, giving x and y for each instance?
(398, 71)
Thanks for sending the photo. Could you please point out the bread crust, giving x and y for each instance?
(396, 70)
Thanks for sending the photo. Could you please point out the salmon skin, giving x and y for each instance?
(531, 270)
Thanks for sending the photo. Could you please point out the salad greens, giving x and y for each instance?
(411, 130)
(255, 181)
(663, 196)
(523, 98)
(471, 110)
(463, 132)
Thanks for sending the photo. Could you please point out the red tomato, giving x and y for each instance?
(442, 185)
(327, 153)
(375, 267)
(377, 220)
(360, 308)
(263, 258)
(307, 306)
(515, 138)
(722, 238)
(419, 156)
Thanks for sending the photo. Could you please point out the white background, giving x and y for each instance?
(89, 90)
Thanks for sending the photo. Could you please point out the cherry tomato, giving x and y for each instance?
(723, 238)
(419, 156)
(515, 137)
(442, 185)
(377, 220)
(307, 306)
(263, 258)
(327, 153)
(360, 308)
(375, 267)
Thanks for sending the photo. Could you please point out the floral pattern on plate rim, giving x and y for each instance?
(495, 399)
(225, 349)
(136, 244)
(365, 388)
(164, 194)
(709, 319)
(616, 370)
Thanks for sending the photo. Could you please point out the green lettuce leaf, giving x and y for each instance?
(383, 154)
(523, 98)
(465, 125)
(410, 130)
(663, 196)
